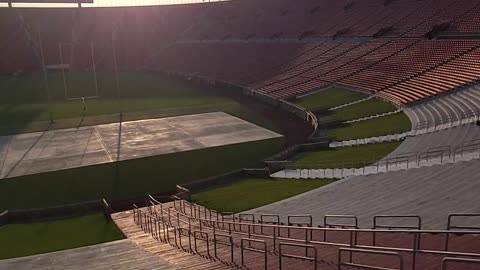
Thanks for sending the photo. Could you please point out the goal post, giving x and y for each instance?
(79, 71)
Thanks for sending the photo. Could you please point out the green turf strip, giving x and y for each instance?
(23, 239)
(363, 109)
(391, 124)
(131, 178)
(353, 156)
(329, 98)
(254, 192)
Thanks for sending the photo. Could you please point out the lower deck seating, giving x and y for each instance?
(431, 192)
(204, 239)
(446, 109)
(447, 142)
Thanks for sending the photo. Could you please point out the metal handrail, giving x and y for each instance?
(228, 244)
(416, 217)
(198, 235)
(459, 227)
(215, 225)
(339, 229)
(291, 222)
(327, 224)
(445, 261)
(405, 158)
(305, 258)
(355, 250)
(249, 248)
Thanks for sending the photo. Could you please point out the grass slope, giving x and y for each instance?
(254, 192)
(24, 239)
(346, 156)
(131, 178)
(391, 124)
(329, 98)
(363, 109)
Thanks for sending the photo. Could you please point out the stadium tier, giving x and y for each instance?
(454, 107)
(390, 48)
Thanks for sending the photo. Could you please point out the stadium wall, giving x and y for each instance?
(227, 178)
(4, 218)
(68, 210)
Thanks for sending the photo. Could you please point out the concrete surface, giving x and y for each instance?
(38, 152)
(447, 108)
(431, 192)
(453, 137)
(463, 142)
(119, 255)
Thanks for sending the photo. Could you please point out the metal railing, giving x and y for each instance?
(351, 251)
(344, 168)
(162, 225)
(313, 259)
(447, 261)
(253, 249)
(449, 120)
(421, 128)
(451, 226)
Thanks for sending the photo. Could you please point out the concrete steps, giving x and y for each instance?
(382, 166)
(452, 107)
(432, 192)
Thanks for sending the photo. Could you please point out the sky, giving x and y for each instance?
(111, 3)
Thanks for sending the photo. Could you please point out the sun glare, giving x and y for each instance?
(115, 3)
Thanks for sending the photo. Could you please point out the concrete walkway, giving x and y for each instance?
(118, 255)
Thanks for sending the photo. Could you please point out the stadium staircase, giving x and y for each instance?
(195, 237)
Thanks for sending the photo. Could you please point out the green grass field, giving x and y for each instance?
(254, 192)
(24, 239)
(329, 98)
(344, 157)
(24, 107)
(391, 124)
(362, 109)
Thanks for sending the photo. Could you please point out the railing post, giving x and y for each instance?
(414, 254)
(279, 257)
(275, 238)
(214, 242)
(190, 233)
(169, 216)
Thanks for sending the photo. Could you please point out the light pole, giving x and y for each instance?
(45, 78)
(117, 83)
